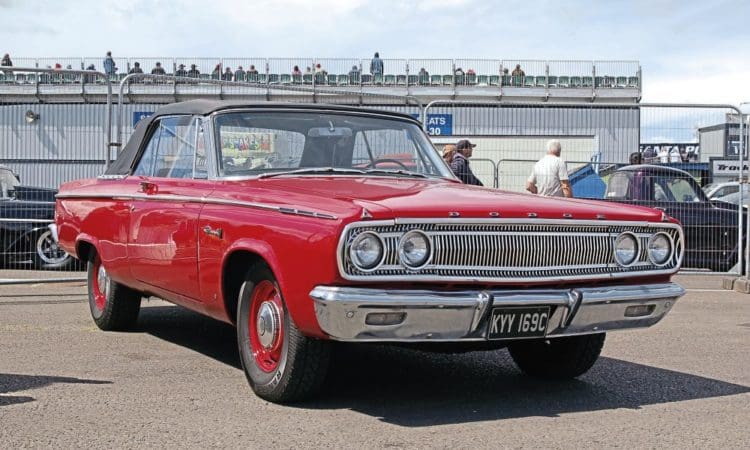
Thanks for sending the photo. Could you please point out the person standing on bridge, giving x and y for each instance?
(109, 65)
(376, 65)
(549, 177)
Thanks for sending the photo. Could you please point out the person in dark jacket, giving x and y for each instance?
(239, 74)
(158, 70)
(181, 72)
(7, 63)
(227, 76)
(460, 163)
(136, 68)
(193, 72)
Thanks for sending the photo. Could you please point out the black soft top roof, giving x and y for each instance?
(124, 163)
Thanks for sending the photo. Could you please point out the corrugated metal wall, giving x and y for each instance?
(68, 140)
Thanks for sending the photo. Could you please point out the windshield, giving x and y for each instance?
(274, 143)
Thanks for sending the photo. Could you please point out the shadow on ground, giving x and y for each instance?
(10, 382)
(412, 388)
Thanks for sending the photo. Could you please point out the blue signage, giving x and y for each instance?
(438, 124)
(138, 115)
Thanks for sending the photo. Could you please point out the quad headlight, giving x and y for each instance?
(626, 249)
(414, 250)
(660, 249)
(366, 251)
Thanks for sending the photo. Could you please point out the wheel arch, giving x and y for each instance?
(238, 261)
(84, 247)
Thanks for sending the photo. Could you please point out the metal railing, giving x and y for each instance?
(397, 72)
(267, 89)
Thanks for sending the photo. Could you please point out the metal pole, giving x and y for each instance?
(109, 123)
(744, 255)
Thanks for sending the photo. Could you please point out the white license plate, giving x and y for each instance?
(517, 322)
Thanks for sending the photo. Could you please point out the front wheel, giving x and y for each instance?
(564, 357)
(113, 306)
(281, 364)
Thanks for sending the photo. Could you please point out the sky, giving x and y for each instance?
(689, 51)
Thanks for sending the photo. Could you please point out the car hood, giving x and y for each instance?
(389, 197)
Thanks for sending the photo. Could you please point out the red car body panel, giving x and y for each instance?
(151, 238)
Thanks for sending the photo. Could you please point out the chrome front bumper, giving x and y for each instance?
(346, 313)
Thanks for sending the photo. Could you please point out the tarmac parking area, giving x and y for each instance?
(176, 381)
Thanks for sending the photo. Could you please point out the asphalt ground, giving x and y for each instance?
(176, 382)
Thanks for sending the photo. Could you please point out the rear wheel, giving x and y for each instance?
(281, 364)
(113, 306)
(565, 357)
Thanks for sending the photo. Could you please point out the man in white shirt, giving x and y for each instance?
(550, 175)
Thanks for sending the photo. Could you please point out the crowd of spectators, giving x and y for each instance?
(379, 74)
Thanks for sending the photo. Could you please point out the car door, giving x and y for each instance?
(163, 240)
(710, 233)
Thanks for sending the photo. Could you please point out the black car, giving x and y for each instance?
(26, 214)
(710, 226)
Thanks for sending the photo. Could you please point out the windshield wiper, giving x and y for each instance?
(396, 172)
(314, 170)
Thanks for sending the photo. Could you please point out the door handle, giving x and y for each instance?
(148, 187)
(218, 233)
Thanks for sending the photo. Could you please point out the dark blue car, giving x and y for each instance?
(25, 215)
(710, 225)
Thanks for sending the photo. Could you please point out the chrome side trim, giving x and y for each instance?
(453, 316)
(203, 200)
(111, 177)
(5, 220)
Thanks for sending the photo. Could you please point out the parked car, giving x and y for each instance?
(710, 225)
(297, 224)
(735, 198)
(25, 215)
(719, 190)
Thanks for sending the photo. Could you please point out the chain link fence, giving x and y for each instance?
(688, 161)
(695, 153)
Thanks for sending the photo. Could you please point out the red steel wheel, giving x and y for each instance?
(113, 306)
(266, 326)
(281, 364)
(99, 286)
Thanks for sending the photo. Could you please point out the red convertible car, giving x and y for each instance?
(296, 224)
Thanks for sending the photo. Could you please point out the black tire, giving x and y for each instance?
(46, 254)
(565, 357)
(288, 366)
(114, 307)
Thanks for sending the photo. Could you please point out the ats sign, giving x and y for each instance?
(438, 124)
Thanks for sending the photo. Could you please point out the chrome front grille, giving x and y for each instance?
(510, 250)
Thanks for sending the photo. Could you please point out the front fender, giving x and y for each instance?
(300, 306)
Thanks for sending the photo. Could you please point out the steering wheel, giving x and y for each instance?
(374, 163)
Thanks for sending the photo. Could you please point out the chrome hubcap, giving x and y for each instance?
(102, 278)
(268, 324)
